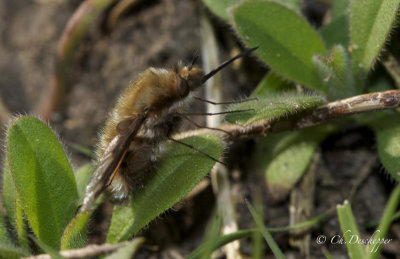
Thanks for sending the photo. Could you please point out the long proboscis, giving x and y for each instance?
(216, 70)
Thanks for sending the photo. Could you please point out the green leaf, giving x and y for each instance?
(221, 7)
(13, 207)
(9, 251)
(273, 107)
(3, 230)
(271, 84)
(21, 224)
(387, 131)
(292, 4)
(284, 157)
(370, 24)
(178, 172)
(127, 251)
(75, 234)
(350, 231)
(335, 72)
(8, 192)
(286, 41)
(82, 177)
(43, 178)
(336, 32)
(340, 8)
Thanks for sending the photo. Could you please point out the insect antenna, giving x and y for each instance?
(216, 70)
(229, 102)
(205, 127)
(197, 150)
(194, 60)
(211, 114)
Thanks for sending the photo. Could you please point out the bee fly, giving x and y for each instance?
(145, 116)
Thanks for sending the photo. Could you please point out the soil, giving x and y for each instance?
(161, 34)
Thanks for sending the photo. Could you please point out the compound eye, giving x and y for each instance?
(183, 87)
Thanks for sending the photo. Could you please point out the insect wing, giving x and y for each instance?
(109, 161)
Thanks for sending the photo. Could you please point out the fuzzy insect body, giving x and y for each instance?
(146, 114)
(160, 94)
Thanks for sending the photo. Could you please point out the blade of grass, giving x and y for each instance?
(223, 240)
(374, 248)
(264, 231)
(350, 231)
(212, 235)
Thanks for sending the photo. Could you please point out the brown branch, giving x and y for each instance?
(334, 110)
(357, 104)
(88, 251)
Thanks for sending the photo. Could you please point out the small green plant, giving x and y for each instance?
(41, 193)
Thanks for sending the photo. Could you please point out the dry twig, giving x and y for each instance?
(88, 251)
(334, 110)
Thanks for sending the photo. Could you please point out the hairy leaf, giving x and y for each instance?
(340, 8)
(387, 130)
(178, 172)
(222, 8)
(271, 84)
(286, 41)
(8, 193)
(13, 207)
(43, 178)
(75, 234)
(336, 32)
(284, 157)
(370, 24)
(335, 72)
(273, 107)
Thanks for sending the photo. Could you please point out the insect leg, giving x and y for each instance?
(197, 150)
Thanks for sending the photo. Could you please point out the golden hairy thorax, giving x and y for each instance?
(161, 94)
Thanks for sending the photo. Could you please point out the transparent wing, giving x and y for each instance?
(109, 161)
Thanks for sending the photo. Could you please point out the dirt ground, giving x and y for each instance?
(160, 34)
